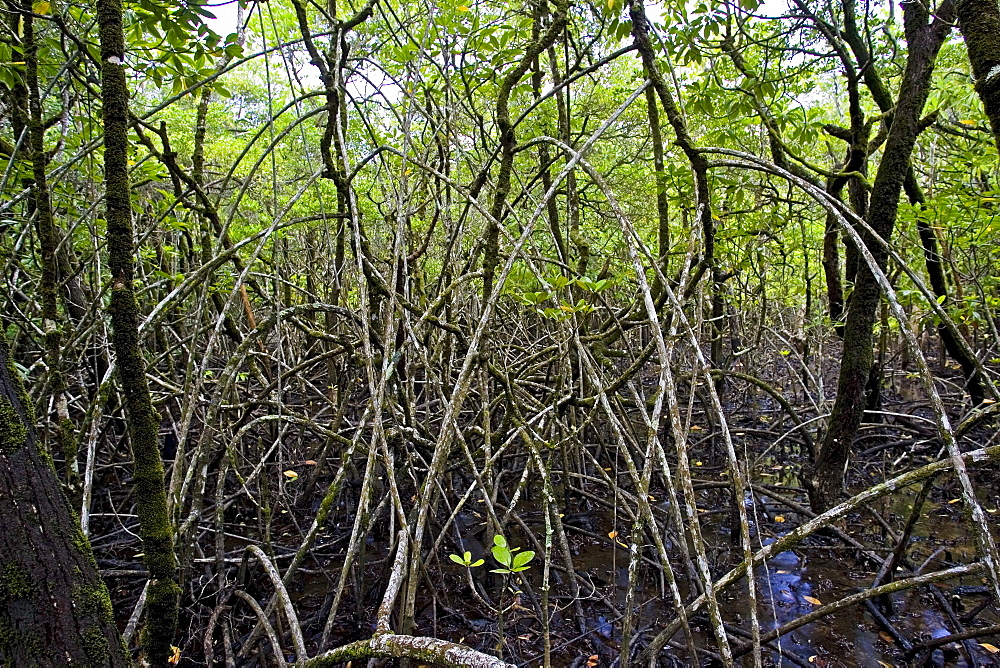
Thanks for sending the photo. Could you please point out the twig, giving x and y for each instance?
(133, 621)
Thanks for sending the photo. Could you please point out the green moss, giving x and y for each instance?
(45, 456)
(96, 646)
(94, 600)
(80, 543)
(15, 377)
(13, 432)
(70, 442)
(14, 583)
(95, 603)
(21, 643)
(162, 601)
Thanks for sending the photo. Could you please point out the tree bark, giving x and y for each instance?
(155, 528)
(979, 21)
(54, 608)
(924, 38)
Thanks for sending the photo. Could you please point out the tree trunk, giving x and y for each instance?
(979, 21)
(662, 206)
(61, 427)
(986, 30)
(924, 38)
(975, 384)
(155, 528)
(831, 270)
(544, 161)
(54, 608)
(508, 142)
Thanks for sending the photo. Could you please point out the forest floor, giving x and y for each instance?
(585, 628)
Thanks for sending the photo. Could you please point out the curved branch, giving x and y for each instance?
(392, 646)
(286, 602)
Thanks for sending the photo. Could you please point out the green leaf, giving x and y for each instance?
(521, 560)
(533, 298)
(457, 559)
(560, 281)
(502, 555)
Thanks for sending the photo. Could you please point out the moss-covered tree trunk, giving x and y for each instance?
(544, 160)
(155, 527)
(950, 337)
(979, 21)
(508, 142)
(924, 39)
(54, 608)
(62, 428)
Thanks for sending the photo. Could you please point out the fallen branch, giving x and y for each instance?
(392, 646)
(954, 637)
